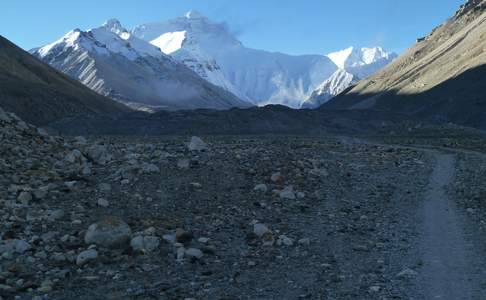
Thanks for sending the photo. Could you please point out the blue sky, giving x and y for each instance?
(289, 26)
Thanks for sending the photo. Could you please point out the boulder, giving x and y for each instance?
(111, 232)
(196, 144)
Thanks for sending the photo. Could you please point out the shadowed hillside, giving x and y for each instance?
(39, 94)
(460, 100)
(442, 76)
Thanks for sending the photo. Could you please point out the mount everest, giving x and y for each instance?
(191, 62)
(114, 63)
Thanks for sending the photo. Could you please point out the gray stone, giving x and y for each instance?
(150, 169)
(287, 193)
(99, 154)
(196, 144)
(41, 193)
(24, 197)
(74, 156)
(104, 187)
(319, 172)
(86, 170)
(103, 202)
(86, 256)
(14, 246)
(304, 242)
(56, 215)
(260, 229)
(183, 164)
(110, 232)
(284, 240)
(70, 184)
(145, 243)
(170, 238)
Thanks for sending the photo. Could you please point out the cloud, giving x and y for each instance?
(238, 24)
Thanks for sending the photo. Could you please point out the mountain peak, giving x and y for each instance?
(194, 28)
(114, 26)
(354, 57)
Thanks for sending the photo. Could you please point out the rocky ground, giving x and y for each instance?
(229, 217)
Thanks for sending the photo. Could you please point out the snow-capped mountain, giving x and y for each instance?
(336, 84)
(354, 64)
(113, 62)
(213, 52)
(362, 62)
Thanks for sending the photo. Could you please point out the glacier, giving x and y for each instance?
(115, 63)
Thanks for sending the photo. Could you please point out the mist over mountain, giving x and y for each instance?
(258, 76)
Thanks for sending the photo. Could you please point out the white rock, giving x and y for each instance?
(103, 202)
(375, 288)
(171, 238)
(86, 256)
(194, 252)
(196, 144)
(260, 229)
(261, 188)
(203, 240)
(180, 253)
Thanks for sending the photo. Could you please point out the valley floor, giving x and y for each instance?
(256, 218)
